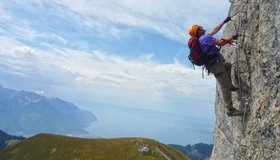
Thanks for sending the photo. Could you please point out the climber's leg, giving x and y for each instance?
(222, 76)
(228, 70)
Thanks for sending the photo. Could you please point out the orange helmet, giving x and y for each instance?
(193, 30)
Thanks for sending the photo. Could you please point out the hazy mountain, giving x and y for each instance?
(198, 151)
(6, 139)
(46, 146)
(27, 113)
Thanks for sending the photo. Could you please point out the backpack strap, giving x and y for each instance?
(192, 41)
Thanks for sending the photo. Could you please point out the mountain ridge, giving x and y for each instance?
(27, 113)
(199, 151)
(6, 139)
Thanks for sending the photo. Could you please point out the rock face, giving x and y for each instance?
(257, 135)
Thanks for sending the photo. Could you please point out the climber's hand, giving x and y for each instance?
(227, 19)
(229, 41)
(235, 37)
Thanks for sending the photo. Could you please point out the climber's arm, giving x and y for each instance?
(216, 29)
(223, 41)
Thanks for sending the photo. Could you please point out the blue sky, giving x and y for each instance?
(121, 52)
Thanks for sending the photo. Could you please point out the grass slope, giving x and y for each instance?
(56, 147)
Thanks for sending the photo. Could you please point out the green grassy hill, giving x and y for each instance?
(56, 147)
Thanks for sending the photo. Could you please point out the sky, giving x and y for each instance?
(124, 53)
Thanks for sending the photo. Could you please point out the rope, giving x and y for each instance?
(244, 107)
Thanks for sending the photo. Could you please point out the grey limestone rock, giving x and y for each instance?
(257, 135)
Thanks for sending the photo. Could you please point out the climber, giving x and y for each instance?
(216, 63)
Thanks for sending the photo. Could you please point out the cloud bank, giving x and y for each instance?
(40, 42)
(103, 74)
(168, 18)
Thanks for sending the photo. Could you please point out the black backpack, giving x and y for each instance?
(197, 56)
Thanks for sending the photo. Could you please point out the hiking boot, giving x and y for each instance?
(234, 112)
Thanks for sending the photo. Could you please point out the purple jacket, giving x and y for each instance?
(206, 41)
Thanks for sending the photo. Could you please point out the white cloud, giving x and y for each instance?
(39, 41)
(166, 17)
(99, 73)
(40, 92)
(118, 18)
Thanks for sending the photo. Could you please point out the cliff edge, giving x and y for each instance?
(256, 135)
